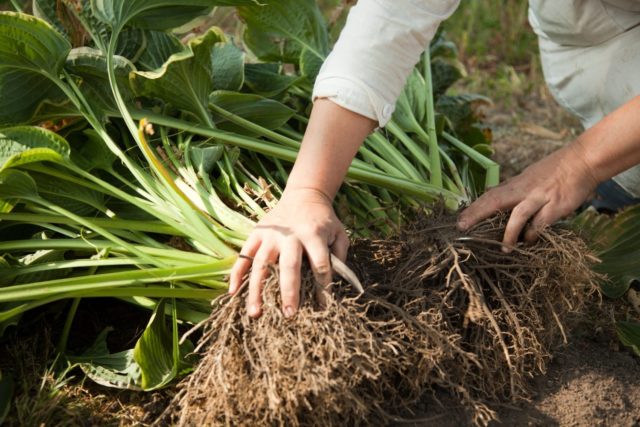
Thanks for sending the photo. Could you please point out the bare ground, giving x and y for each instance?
(592, 381)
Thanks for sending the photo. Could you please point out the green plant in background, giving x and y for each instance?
(133, 165)
(614, 240)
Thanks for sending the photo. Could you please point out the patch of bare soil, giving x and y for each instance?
(588, 384)
(527, 129)
(591, 381)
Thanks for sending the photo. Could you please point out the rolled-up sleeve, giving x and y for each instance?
(377, 49)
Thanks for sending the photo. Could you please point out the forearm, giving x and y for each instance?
(332, 139)
(613, 144)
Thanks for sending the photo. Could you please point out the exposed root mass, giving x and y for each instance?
(441, 310)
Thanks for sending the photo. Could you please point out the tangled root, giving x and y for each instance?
(442, 310)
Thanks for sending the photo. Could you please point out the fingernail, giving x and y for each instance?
(289, 311)
(506, 249)
(462, 225)
(253, 310)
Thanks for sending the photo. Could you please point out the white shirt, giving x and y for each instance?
(377, 49)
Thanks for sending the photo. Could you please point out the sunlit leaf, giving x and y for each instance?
(154, 352)
(27, 144)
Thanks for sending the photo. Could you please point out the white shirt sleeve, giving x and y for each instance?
(377, 49)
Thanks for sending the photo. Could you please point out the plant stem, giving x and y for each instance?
(434, 152)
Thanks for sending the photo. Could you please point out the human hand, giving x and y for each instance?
(302, 221)
(546, 191)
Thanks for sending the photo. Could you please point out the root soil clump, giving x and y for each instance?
(441, 310)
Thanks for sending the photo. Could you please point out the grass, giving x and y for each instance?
(498, 48)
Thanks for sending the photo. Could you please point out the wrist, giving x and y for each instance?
(291, 190)
(580, 151)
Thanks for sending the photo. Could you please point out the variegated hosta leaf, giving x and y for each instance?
(290, 31)
(156, 14)
(28, 144)
(90, 65)
(160, 46)
(32, 55)
(188, 77)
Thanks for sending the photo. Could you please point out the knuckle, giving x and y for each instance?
(290, 264)
(261, 261)
(312, 229)
(520, 212)
(289, 294)
(322, 268)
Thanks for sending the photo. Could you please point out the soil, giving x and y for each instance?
(593, 380)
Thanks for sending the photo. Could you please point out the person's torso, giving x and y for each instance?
(584, 22)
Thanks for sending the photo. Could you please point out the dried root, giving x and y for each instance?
(442, 311)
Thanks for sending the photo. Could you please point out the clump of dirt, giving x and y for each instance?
(442, 310)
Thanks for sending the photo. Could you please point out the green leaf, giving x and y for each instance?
(47, 10)
(616, 242)
(260, 111)
(410, 109)
(6, 395)
(13, 321)
(75, 198)
(90, 65)
(460, 110)
(27, 144)
(154, 352)
(155, 14)
(6, 206)
(266, 80)
(17, 185)
(290, 31)
(227, 65)
(117, 370)
(444, 75)
(188, 77)
(92, 153)
(204, 157)
(160, 46)
(40, 257)
(33, 54)
(629, 333)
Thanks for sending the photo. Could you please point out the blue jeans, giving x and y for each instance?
(611, 197)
